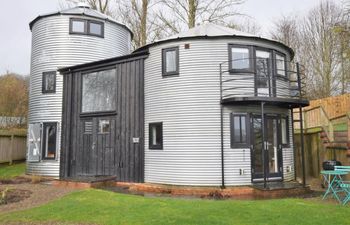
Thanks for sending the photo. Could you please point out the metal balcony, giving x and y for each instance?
(274, 82)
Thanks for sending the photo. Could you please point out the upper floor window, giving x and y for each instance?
(99, 91)
(170, 61)
(281, 64)
(239, 58)
(88, 27)
(49, 82)
(239, 134)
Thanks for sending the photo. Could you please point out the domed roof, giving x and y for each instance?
(80, 10)
(210, 30)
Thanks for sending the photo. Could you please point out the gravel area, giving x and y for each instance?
(41, 194)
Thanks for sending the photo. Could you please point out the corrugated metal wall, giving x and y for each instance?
(52, 48)
(189, 107)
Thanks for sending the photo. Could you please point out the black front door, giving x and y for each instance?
(267, 151)
(97, 151)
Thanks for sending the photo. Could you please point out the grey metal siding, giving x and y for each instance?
(52, 48)
(189, 107)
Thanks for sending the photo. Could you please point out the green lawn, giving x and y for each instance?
(8, 172)
(103, 207)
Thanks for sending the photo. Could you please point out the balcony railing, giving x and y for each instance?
(265, 78)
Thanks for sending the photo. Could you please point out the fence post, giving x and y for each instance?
(11, 149)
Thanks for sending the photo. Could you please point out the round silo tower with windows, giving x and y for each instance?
(60, 39)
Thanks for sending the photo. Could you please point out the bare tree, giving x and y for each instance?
(318, 47)
(248, 25)
(174, 15)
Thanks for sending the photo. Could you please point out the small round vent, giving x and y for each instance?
(83, 5)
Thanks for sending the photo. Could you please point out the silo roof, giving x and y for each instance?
(211, 30)
(80, 11)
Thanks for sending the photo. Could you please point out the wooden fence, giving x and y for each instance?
(12, 148)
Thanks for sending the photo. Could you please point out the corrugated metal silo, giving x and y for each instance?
(69, 37)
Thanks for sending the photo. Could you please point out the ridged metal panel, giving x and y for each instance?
(52, 48)
(189, 107)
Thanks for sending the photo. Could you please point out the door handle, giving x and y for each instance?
(93, 146)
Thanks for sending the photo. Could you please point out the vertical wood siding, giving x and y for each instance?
(115, 153)
(52, 48)
(189, 107)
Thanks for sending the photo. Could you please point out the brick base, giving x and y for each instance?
(239, 192)
(82, 185)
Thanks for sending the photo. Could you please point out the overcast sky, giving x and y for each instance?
(15, 15)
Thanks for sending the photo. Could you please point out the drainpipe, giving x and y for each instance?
(263, 141)
(301, 129)
(222, 134)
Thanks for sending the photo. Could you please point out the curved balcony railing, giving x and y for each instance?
(262, 77)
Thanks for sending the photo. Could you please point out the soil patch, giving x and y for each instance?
(16, 180)
(8, 196)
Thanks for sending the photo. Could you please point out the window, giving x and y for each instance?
(49, 82)
(239, 59)
(239, 134)
(170, 61)
(103, 126)
(155, 136)
(99, 91)
(87, 27)
(95, 28)
(281, 65)
(285, 131)
(50, 138)
(78, 26)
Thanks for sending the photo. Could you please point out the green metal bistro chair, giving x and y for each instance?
(344, 185)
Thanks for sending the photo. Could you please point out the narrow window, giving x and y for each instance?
(170, 61)
(239, 133)
(156, 136)
(239, 59)
(96, 28)
(77, 26)
(50, 138)
(49, 82)
(104, 126)
(99, 91)
(285, 131)
(281, 65)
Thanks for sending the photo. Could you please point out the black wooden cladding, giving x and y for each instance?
(112, 153)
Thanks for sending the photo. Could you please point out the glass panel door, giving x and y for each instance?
(268, 147)
(263, 82)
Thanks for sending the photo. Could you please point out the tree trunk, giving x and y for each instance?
(192, 5)
(143, 27)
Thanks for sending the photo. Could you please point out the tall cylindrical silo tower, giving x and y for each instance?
(60, 39)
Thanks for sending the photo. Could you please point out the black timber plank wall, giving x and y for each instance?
(119, 155)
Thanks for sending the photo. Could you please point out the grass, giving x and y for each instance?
(10, 171)
(103, 207)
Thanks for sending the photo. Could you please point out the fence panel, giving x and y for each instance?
(12, 148)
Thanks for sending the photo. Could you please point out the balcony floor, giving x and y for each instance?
(283, 102)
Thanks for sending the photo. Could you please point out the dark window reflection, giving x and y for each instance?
(99, 91)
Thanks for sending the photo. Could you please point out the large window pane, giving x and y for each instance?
(99, 91)
(78, 26)
(284, 131)
(240, 58)
(50, 138)
(238, 131)
(170, 61)
(280, 65)
(95, 28)
(49, 82)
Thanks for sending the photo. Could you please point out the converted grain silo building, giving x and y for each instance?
(60, 39)
(208, 107)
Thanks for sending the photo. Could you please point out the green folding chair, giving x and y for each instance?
(344, 185)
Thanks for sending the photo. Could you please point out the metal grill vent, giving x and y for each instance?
(88, 127)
